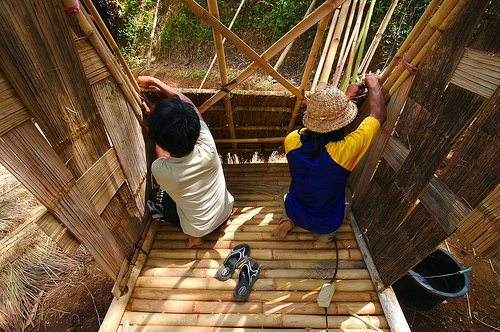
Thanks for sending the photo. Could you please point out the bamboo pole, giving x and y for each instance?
(228, 307)
(109, 61)
(323, 10)
(421, 24)
(235, 320)
(240, 44)
(219, 47)
(387, 297)
(343, 274)
(152, 35)
(289, 46)
(353, 43)
(307, 71)
(250, 140)
(114, 47)
(378, 37)
(117, 307)
(328, 41)
(364, 33)
(400, 73)
(256, 295)
(343, 49)
(223, 41)
(332, 51)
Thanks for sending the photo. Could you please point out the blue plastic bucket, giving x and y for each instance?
(436, 278)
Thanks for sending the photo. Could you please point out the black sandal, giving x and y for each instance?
(235, 258)
(249, 273)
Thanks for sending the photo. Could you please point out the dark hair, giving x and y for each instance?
(317, 140)
(175, 126)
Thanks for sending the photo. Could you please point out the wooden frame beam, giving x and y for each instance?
(326, 8)
(221, 59)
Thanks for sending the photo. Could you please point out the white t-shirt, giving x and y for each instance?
(197, 185)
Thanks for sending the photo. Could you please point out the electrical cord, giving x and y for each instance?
(334, 276)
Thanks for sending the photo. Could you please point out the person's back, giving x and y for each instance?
(321, 159)
(192, 191)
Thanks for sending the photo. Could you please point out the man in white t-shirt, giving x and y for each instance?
(192, 191)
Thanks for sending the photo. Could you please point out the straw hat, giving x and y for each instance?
(329, 109)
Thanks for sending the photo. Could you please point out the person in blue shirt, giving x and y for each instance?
(321, 157)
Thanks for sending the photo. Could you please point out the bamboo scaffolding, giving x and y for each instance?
(240, 44)
(332, 50)
(378, 37)
(219, 47)
(394, 83)
(289, 46)
(345, 46)
(325, 49)
(323, 10)
(94, 38)
(424, 40)
(364, 33)
(421, 24)
(116, 50)
(223, 41)
(307, 71)
(355, 35)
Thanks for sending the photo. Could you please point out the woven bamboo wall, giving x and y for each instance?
(69, 134)
(422, 194)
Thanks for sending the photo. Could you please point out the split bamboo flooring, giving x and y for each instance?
(176, 289)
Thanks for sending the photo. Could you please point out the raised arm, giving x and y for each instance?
(376, 99)
(147, 81)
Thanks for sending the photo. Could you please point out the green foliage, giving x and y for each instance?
(274, 17)
(132, 27)
(182, 29)
(179, 30)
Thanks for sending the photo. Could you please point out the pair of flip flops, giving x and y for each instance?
(249, 270)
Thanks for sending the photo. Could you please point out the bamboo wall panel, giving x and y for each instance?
(472, 172)
(478, 72)
(363, 172)
(434, 116)
(27, 155)
(439, 201)
(12, 109)
(176, 289)
(51, 70)
(58, 233)
(94, 66)
(33, 45)
(482, 226)
(126, 134)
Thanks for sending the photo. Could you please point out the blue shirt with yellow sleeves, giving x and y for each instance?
(316, 198)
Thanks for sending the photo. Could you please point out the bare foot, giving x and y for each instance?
(193, 241)
(281, 231)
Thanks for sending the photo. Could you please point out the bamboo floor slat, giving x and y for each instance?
(176, 289)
